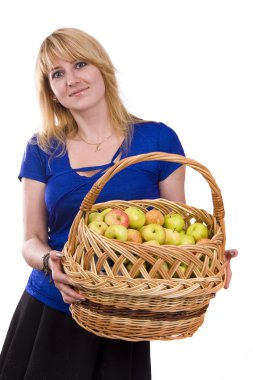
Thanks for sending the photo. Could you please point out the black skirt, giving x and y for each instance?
(46, 344)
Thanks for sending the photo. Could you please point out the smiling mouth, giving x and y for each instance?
(78, 92)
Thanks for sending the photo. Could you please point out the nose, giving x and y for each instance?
(71, 78)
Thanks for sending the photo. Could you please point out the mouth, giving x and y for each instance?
(78, 92)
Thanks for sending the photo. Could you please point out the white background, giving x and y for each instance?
(188, 64)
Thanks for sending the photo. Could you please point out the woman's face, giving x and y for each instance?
(78, 86)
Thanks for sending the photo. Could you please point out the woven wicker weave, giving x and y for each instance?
(160, 304)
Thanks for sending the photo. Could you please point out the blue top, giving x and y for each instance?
(65, 190)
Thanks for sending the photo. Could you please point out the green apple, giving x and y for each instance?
(154, 216)
(129, 266)
(134, 235)
(116, 231)
(153, 232)
(186, 239)
(183, 268)
(136, 217)
(172, 237)
(98, 227)
(174, 221)
(95, 216)
(198, 231)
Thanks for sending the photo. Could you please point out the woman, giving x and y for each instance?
(85, 129)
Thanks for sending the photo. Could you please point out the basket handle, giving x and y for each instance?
(91, 196)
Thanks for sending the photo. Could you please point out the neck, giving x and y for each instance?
(93, 126)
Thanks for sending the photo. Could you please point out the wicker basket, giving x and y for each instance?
(160, 304)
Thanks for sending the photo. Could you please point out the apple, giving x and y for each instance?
(174, 221)
(98, 227)
(153, 231)
(129, 266)
(151, 242)
(154, 216)
(186, 239)
(203, 241)
(172, 237)
(116, 216)
(198, 231)
(136, 217)
(105, 211)
(95, 216)
(183, 268)
(117, 232)
(165, 267)
(134, 235)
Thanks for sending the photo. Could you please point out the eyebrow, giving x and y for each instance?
(55, 68)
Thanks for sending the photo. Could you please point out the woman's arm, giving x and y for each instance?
(35, 241)
(172, 188)
(35, 238)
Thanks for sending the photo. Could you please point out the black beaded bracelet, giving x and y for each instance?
(46, 269)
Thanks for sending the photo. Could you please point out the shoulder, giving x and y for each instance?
(48, 151)
(152, 128)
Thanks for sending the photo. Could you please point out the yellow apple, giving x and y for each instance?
(198, 231)
(174, 221)
(95, 216)
(98, 227)
(153, 232)
(172, 237)
(116, 231)
(136, 217)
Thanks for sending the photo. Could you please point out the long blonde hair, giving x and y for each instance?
(57, 122)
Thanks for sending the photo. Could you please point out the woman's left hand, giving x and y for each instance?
(229, 254)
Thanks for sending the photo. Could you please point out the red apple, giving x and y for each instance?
(116, 216)
(154, 216)
(134, 235)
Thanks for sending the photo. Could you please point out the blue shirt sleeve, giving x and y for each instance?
(33, 165)
(168, 142)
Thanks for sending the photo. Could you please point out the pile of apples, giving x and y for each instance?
(150, 227)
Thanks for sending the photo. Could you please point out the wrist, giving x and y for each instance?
(46, 268)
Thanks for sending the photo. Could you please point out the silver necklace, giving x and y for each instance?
(98, 145)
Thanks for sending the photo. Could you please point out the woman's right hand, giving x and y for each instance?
(61, 280)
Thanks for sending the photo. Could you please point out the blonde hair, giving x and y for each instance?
(57, 122)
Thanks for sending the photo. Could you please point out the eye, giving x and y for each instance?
(80, 64)
(57, 74)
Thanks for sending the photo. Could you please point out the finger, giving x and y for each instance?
(58, 254)
(231, 253)
(70, 294)
(59, 277)
(228, 278)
